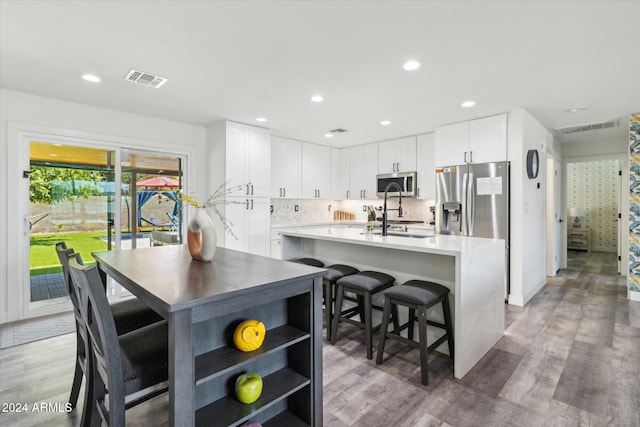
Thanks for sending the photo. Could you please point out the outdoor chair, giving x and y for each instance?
(156, 223)
(119, 365)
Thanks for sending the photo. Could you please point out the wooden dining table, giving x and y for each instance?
(202, 303)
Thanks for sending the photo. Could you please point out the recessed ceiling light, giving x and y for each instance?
(91, 78)
(328, 135)
(317, 98)
(467, 104)
(261, 119)
(385, 122)
(411, 65)
(576, 109)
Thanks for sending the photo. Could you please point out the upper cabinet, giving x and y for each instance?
(344, 181)
(248, 154)
(488, 139)
(398, 155)
(286, 168)
(426, 171)
(476, 141)
(316, 171)
(335, 188)
(363, 164)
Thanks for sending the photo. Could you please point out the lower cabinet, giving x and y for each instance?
(287, 361)
(250, 222)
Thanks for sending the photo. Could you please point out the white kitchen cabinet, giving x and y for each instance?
(363, 170)
(248, 158)
(397, 155)
(488, 139)
(426, 166)
(316, 171)
(344, 190)
(286, 168)
(251, 225)
(451, 144)
(335, 187)
(476, 141)
(241, 154)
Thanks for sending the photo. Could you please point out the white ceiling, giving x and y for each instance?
(241, 60)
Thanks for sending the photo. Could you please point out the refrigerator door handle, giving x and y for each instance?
(465, 205)
(471, 209)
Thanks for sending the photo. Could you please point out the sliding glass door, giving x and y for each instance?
(94, 200)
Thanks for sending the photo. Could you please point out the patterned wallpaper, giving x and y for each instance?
(593, 186)
(634, 203)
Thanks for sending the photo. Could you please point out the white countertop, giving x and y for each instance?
(437, 244)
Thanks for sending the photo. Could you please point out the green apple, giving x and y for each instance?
(248, 387)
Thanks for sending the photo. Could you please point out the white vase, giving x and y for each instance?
(201, 236)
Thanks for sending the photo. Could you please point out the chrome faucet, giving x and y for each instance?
(399, 208)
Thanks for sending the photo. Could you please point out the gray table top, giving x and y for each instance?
(174, 281)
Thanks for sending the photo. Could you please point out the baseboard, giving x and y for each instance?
(521, 300)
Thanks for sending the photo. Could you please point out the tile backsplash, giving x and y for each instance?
(315, 211)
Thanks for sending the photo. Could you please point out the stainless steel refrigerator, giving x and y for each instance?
(473, 200)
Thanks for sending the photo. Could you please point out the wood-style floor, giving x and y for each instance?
(570, 357)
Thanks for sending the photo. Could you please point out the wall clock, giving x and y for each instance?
(533, 164)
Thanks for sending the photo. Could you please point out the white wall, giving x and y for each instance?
(528, 207)
(25, 113)
(595, 147)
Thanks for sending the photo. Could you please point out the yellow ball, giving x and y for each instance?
(249, 335)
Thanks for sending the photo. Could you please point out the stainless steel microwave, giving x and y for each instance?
(406, 180)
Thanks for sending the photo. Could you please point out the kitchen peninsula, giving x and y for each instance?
(472, 268)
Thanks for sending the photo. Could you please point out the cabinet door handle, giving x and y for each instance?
(465, 157)
(284, 192)
(247, 206)
(364, 192)
(280, 191)
(251, 204)
(318, 194)
(247, 190)
(470, 156)
(252, 189)
(418, 192)
(347, 194)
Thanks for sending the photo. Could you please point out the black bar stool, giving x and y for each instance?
(417, 295)
(364, 285)
(334, 273)
(310, 261)
(330, 277)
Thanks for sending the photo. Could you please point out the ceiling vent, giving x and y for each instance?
(587, 127)
(145, 79)
(338, 130)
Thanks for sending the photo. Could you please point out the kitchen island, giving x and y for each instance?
(472, 268)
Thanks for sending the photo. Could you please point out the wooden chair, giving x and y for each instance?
(120, 366)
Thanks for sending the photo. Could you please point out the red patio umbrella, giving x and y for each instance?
(158, 182)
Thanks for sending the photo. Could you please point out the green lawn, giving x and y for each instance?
(43, 258)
